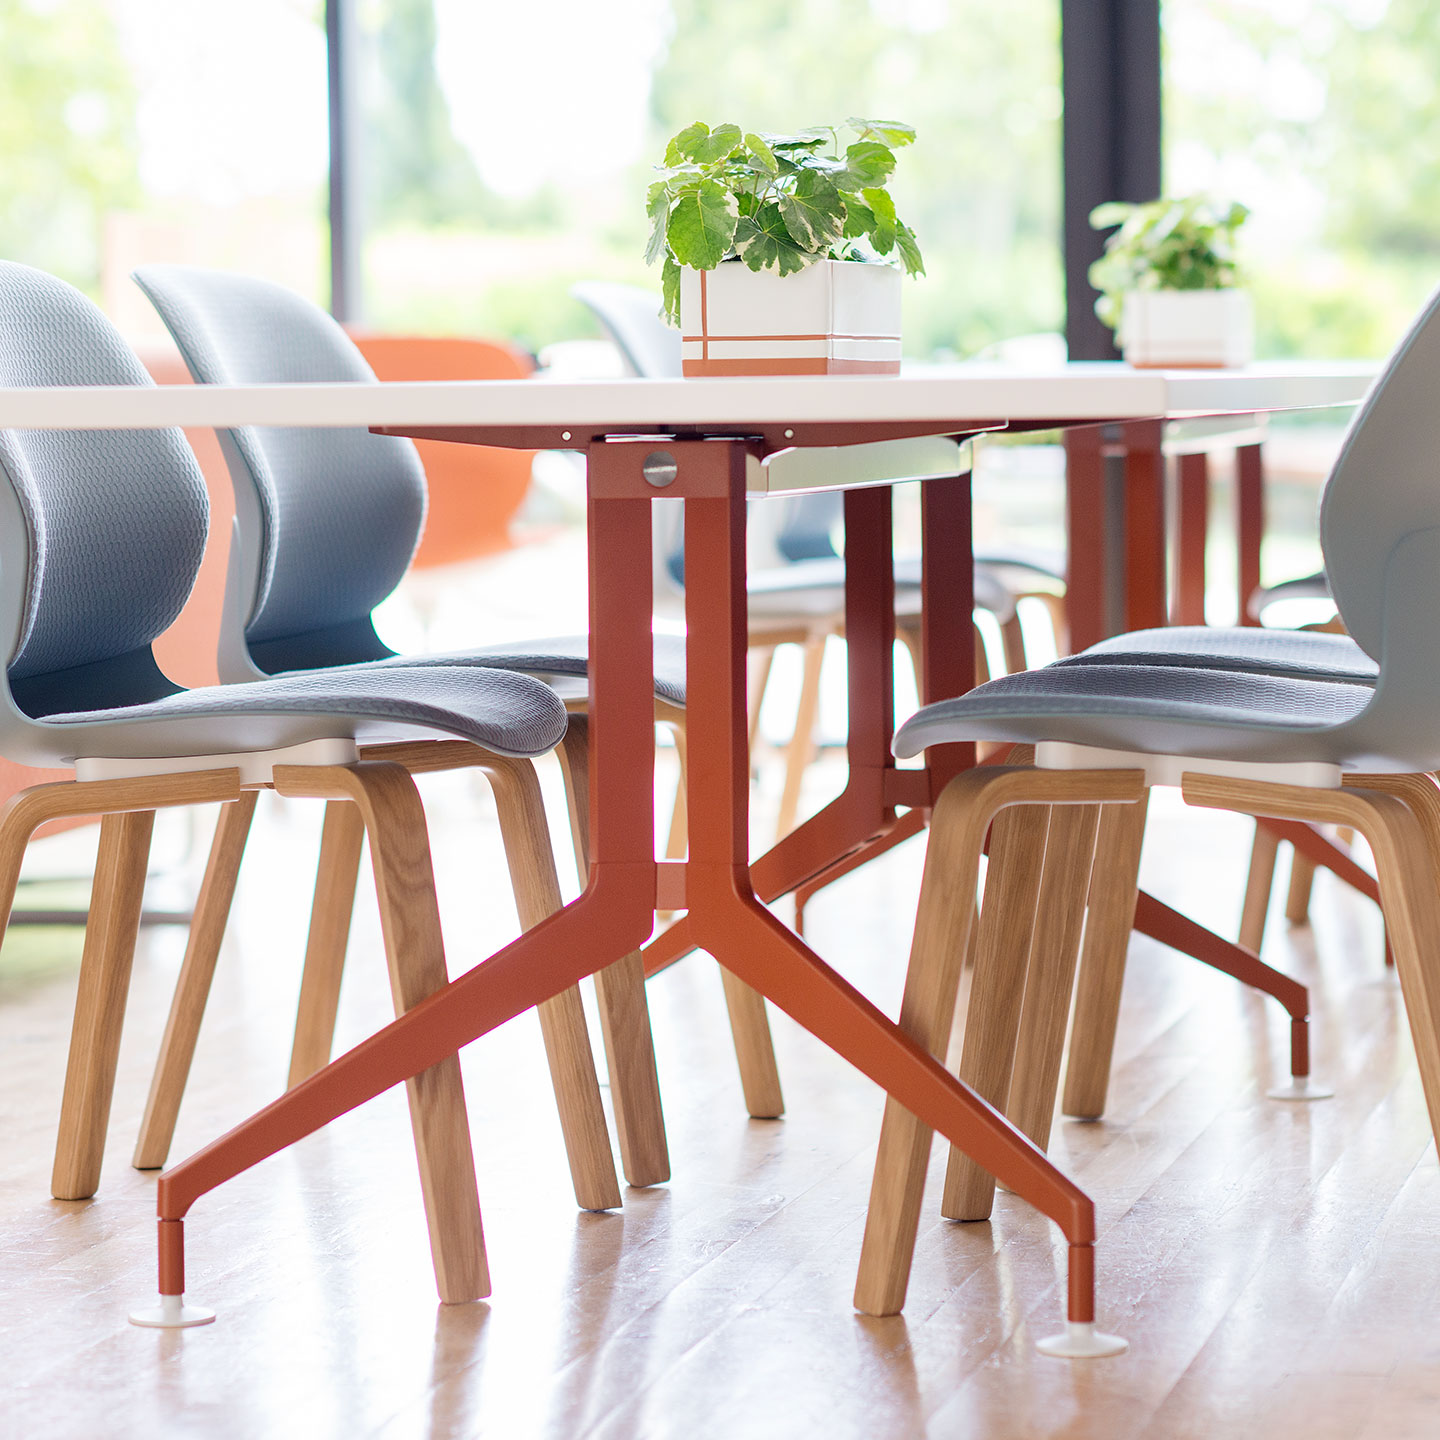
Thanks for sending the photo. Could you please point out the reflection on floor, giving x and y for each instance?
(1273, 1266)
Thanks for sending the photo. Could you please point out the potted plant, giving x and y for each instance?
(774, 249)
(1168, 282)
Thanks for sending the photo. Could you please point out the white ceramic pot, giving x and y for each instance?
(835, 317)
(1178, 328)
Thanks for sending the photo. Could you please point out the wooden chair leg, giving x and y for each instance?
(1302, 881)
(415, 952)
(942, 924)
(754, 1049)
(1054, 953)
(192, 989)
(1059, 619)
(927, 1012)
(1402, 828)
(621, 995)
(620, 991)
(801, 750)
(336, 876)
(761, 660)
(1012, 640)
(677, 841)
(982, 659)
(528, 852)
(1114, 885)
(992, 1017)
(1257, 888)
(1412, 923)
(115, 903)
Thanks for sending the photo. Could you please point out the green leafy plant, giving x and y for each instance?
(776, 202)
(1177, 244)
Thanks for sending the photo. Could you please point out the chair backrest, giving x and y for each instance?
(1385, 483)
(631, 317)
(474, 490)
(101, 532)
(1380, 532)
(326, 520)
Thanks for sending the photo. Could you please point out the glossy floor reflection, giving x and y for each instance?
(1273, 1266)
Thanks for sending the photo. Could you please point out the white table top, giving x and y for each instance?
(557, 411)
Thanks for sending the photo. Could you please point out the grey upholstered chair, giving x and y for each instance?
(326, 521)
(1273, 743)
(101, 535)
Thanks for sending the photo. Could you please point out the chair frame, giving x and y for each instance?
(384, 795)
(1044, 848)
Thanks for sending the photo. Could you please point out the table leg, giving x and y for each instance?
(1194, 519)
(1145, 599)
(1249, 525)
(727, 919)
(1085, 536)
(860, 823)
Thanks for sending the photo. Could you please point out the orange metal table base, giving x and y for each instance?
(1153, 918)
(617, 910)
(912, 822)
(1170, 927)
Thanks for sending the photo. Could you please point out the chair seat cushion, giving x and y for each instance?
(551, 660)
(1303, 587)
(1050, 564)
(1299, 654)
(1157, 709)
(508, 713)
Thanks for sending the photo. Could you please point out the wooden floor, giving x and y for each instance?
(1275, 1267)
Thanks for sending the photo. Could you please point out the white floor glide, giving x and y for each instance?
(1080, 1340)
(172, 1313)
(1301, 1087)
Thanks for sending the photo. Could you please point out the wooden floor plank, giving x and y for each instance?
(1271, 1265)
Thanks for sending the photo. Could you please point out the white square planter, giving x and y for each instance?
(835, 317)
(1179, 328)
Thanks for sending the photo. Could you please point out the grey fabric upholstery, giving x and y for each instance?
(807, 532)
(1048, 563)
(1159, 709)
(328, 520)
(101, 535)
(631, 318)
(509, 713)
(337, 544)
(564, 658)
(1299, 654)
(1380, 534)
(116, 520)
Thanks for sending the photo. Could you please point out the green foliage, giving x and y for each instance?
(776, 202)
(1326, 129)
(979, 80)
(67, 134)
(1166, 244)
(414, 169)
